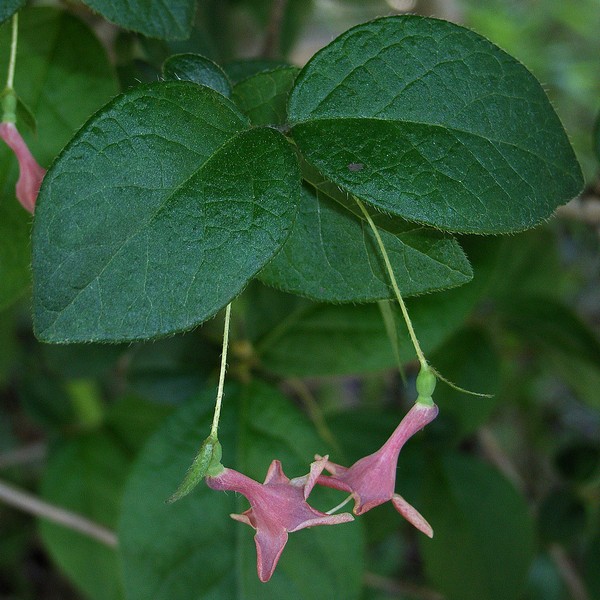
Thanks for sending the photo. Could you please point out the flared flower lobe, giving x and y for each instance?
(371, 480)
(277, 507)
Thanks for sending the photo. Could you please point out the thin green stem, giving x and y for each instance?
(340, 505)
(10, 79)
(388, 266)
(219, 401)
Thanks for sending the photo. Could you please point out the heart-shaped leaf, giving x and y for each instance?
(431, 122)
(156, 215)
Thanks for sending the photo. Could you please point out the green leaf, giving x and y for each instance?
(156, 215)
(567, 345)
(9, 7)
(63, 75)
(238, 70)
(263, 97)
(168, 550)
(197, 68)
(332, 255)
(484, 539)
(295, 337)
(86, 475)
(449, 130)
(154, 18)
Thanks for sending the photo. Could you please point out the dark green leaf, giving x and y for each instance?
(238, 70)
(154, 18)
(197, 68)
(332, 255)
(167, 208)
(562, 517)
(86, 475)
(306, 338)
(483, 535)
(450, 130)
(62, 75)
(9, 7)
(566, 343)
(192, 549)
(578, 461)
(263, 97)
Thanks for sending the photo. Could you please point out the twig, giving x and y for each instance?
(30, 504)
(585, 208)
(399, 589)
(272, 45)
(568, 573)
(496, 455)
(314, 411)
(25, 455)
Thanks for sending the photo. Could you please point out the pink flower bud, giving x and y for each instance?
(30, 173)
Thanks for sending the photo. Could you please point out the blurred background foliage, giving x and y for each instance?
(511, 483)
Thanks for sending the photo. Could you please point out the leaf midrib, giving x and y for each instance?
(451, 130)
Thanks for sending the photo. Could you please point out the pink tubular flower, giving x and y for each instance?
(30, 173)
(277, 508)
(372, 479)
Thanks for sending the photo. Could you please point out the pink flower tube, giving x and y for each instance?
(30, 173)
(371, 481)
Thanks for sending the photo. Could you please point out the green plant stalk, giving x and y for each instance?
(217, 414)
(388, 266)
(10, 79)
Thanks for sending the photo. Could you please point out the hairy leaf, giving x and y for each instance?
(156, 215)
(199, 69)
(168, 550)
(9, 7)
(332, 255)
(449, 130)
(263, 97)
(155, 18)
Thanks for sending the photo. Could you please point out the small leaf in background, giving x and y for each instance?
(168, 550)
(240, 69)
(451, 131)
(578, 461)
(569, 348)
(484, 536)
(199, 69)
(263, 97)
(562, 517)
(195, 208)
(332, 255)
(470, 361)
(544, 581)
(154, 18)
(63, 76)
(101, 465)
(9, 7)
